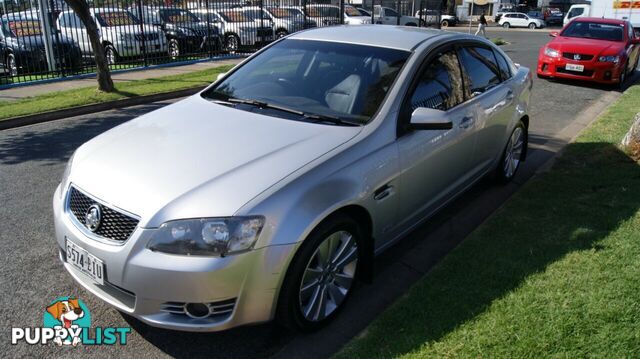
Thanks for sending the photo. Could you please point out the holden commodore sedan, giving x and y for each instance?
(268, 194)
(599, 50)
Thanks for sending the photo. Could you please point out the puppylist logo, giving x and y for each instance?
(67, 321)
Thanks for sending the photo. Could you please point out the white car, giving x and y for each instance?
(518, 19)
(287, 21)
(388, 16)
(237, 28)
(431, 17)
(120, 32)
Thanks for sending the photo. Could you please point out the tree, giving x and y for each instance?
(81, 8)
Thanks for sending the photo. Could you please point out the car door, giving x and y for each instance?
(491, 96)
(434, 163)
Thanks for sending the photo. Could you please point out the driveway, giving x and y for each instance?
(32, 160)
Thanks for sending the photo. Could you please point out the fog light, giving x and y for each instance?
(607, 75)
(197, 310)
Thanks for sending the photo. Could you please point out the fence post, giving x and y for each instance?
(144, 37)
(208, 42)
(45, 25)
(373, 10)
(341, 12)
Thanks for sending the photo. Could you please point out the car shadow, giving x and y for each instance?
(54, 142)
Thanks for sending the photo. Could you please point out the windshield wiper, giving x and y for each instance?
(314, 117)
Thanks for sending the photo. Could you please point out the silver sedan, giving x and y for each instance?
(268, 194)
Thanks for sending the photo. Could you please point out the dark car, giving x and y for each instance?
(554, 19)
(22, 47)
(184, 31)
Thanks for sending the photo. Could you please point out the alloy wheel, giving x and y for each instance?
(513, 153)
(174, 48)
(110, 55)
(232, 43)
(12, 66)
(329, 275)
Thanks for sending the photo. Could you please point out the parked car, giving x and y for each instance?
(593, 49)
(22, 47)
(288, 21)
(120, 33)
(554, 19)
(518, 19)
(536, 14)
(431, 17)
(323, 14)
(388, 16)
(184, 31)
(238, 29)
(364, 11)
(268, 194)
(261, 19)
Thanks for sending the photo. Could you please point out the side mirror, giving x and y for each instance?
(221, 76)
(424, 118)
(554, 33)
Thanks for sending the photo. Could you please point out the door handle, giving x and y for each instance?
(467, 122)
(510, 95)
(382, 192)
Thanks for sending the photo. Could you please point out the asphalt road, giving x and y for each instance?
(32, 160)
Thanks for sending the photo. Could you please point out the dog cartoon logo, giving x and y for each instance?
(70, 315)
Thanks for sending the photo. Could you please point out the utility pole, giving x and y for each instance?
(45, 25)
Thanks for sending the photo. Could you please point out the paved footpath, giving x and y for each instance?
(19, 92)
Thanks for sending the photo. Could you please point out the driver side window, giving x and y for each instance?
(440, 86)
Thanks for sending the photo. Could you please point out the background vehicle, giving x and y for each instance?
(238, 29)
(518, 19)
(594, 49)
(323, 14)
(430, 17)
(554, 19)
(287, 21)
(626, 10)
(184, 31)
(324, 154)
(353, 16)
(388, 16)
(120, 33)
(22, 45)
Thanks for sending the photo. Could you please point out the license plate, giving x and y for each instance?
(572, 67)
(85, 262)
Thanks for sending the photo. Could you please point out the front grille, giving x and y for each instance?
(223, 307)
(114, 225)
(585, 73)
(570, 55)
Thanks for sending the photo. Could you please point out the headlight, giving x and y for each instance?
(551, 52)
(67, 171)
(208, 236)
(614, 59)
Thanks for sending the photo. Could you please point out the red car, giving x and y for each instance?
(594, 49)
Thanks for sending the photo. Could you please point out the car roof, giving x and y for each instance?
(396, 37)
(600, 20)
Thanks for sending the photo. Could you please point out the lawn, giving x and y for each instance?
(89, 95)
(554, 273)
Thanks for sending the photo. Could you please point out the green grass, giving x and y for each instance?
(499, 41)
(554, 273)
(89, 95)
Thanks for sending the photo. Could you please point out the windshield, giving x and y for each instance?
(22, 27)
(283, 13)
(323, 78)
(324, 11)
(116, 18)
(176, 16)
(594, 30)
(235, 16)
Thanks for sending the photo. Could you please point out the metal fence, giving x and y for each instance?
(45, 39)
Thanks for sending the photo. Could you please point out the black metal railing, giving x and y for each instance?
(45, 39)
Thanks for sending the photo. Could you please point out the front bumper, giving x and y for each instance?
(151, 285)
(600, 72)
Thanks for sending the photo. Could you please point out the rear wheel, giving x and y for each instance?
(506, 25)
(321, 275)
(281, 33)
(532, 26)
(232, 43)
(444, 23)
(513, 154)
(12, 66)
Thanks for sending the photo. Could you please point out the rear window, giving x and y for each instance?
(24, 27)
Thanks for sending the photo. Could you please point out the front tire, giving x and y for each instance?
(506, 25)
(321, 276)
(110, 55)
(232, 43)
(173, 48)
(513, 154)
(623, 77)
(532, 26)
(444, 23)
(281, 33)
